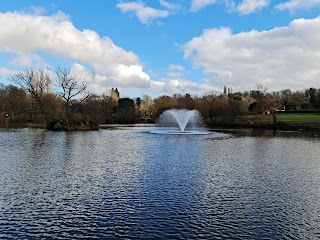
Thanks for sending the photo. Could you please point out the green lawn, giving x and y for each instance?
(288, 117)
(298, 116)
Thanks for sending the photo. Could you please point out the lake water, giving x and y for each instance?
(127, 183)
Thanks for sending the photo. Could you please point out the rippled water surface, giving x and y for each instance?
(129, 184)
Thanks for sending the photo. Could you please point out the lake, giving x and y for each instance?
(126, 183)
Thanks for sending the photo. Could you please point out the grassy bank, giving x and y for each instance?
(285, 121)
(299, 117)
(304, 121)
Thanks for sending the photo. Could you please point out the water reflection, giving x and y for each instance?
(260, 186)
(272, 133)
(126, 183)
(171, 174)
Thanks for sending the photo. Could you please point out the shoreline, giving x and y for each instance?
(280, 126)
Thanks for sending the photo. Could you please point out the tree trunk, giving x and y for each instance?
(274, 120)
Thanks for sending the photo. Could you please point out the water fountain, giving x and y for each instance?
(180, 121)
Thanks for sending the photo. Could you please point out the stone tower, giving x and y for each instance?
(115, 95)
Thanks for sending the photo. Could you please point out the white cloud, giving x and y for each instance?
(97, 59)
(5, 72)
(284, 57)
(182, 86)
(244, 7)
(174, 74)
(22, 33)
(170, 6)
(175, 71)
(25, 35)
(31, 38)
(196, 5)
(230, 5)
(298, 4)
(122, 76)
(144, 13)
(81, 72)
(134, 78)
(250, 6)
(29, 60)
(36, 10)
(176, 67)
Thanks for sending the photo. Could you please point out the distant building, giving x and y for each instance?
(227, 90)
(115, 95)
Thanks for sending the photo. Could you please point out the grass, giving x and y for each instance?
(286, 117)
(301, 117)
(294, 120)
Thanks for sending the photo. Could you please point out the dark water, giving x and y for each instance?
(130, 184)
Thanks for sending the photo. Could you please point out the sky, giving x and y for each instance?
(164, 47)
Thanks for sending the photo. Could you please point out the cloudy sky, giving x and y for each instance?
(158, 47)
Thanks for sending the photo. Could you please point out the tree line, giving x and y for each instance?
(66, 104)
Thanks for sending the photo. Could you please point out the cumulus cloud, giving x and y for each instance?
(196, 5)
(250, 6)
(144, 13)
(25, 35)
(298, 4)
(22, 33)
(30, 38)
(183, 86)
(284, 57)
(29, 60)
(134, 78)
(121, 76)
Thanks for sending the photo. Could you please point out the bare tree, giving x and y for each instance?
(263, 103)
(163, 103)
(37, 84)
(71, 88)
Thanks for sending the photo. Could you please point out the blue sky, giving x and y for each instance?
(159, 47)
